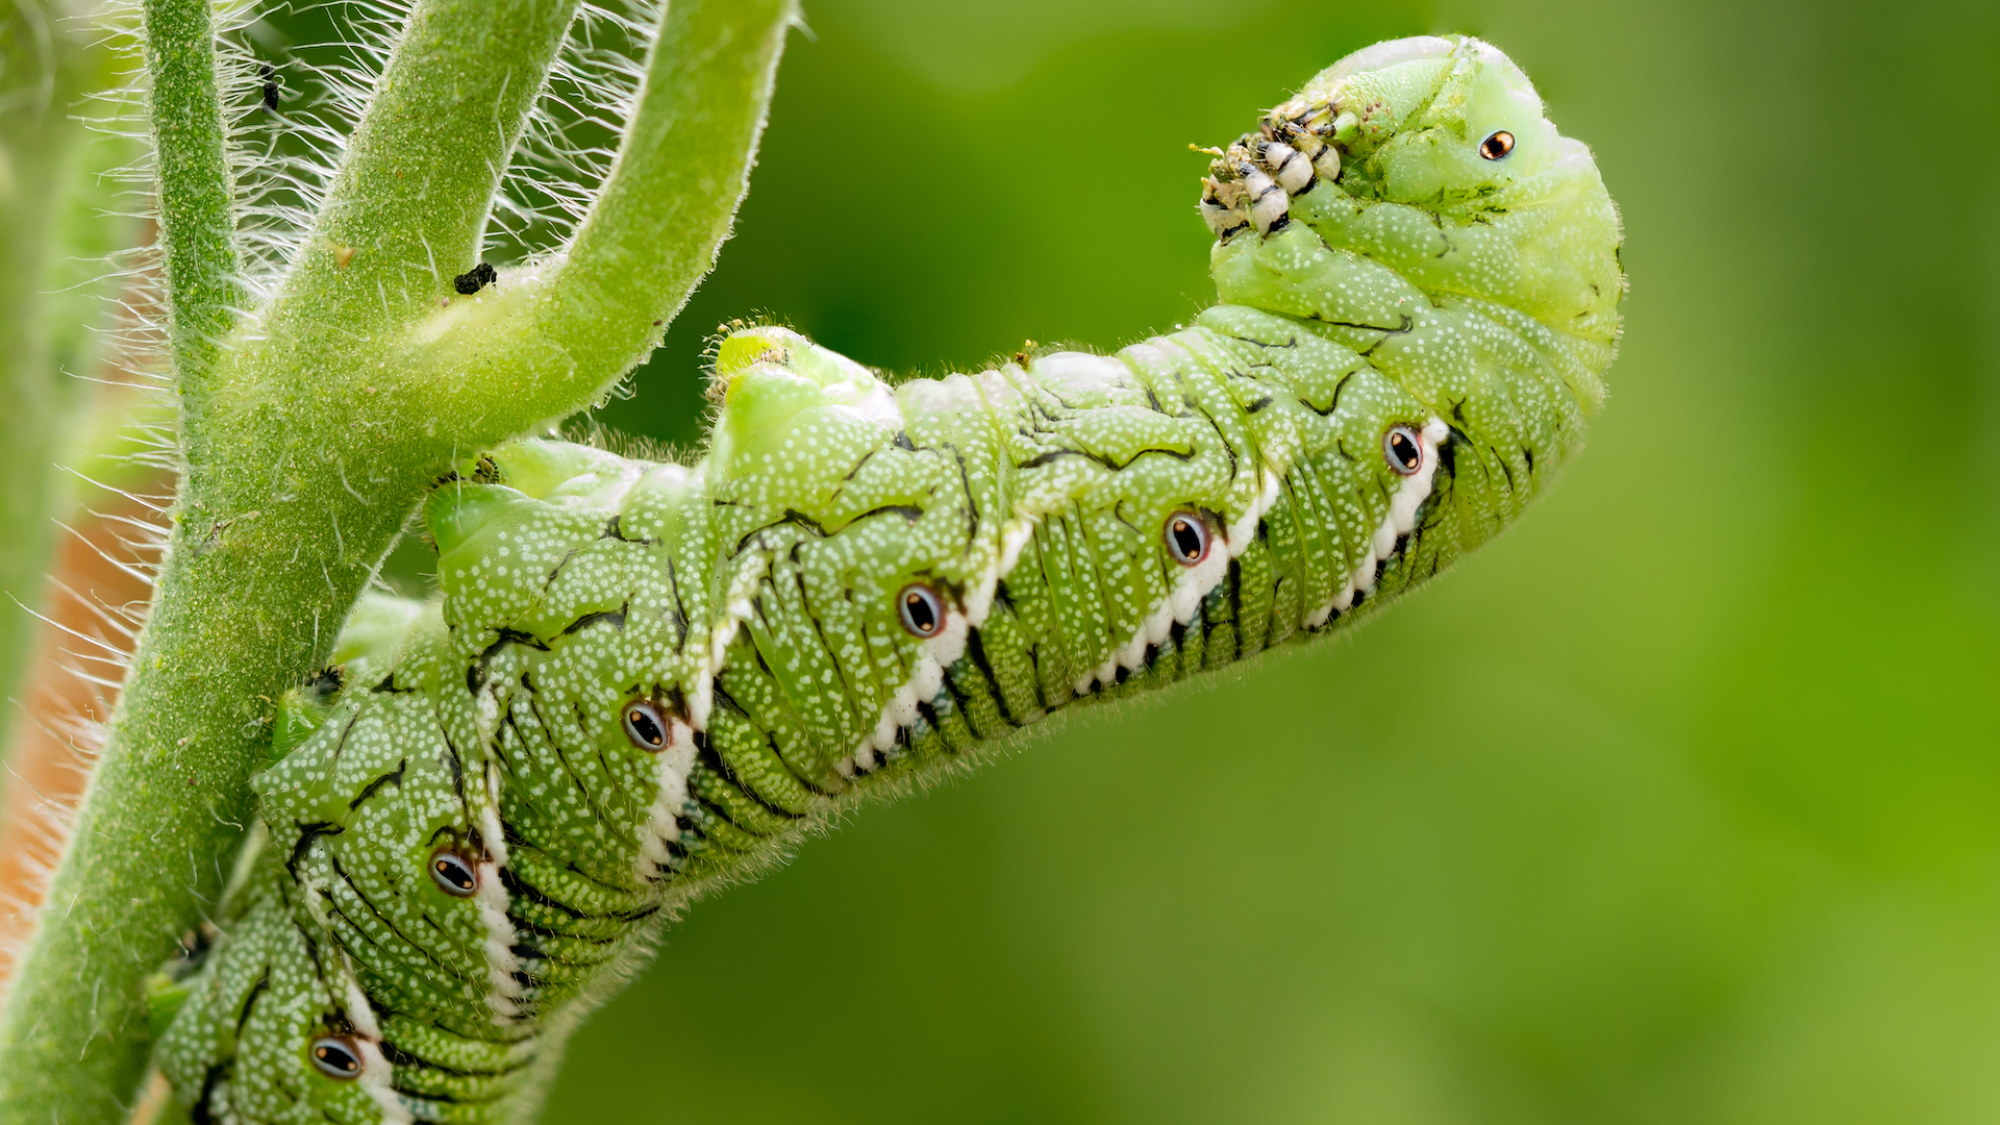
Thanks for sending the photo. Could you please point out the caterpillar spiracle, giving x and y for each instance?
(643, 678)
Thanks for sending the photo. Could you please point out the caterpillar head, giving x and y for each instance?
(1432, 157)
(1436, 122)
(1414, 204)
(1446, 124)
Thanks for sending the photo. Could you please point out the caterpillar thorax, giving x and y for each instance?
(642, 677)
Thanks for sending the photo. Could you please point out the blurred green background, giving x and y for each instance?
(1679, 804)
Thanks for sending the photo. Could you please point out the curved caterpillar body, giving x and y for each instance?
(642, 678)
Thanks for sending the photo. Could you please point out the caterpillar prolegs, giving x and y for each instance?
(642, 678)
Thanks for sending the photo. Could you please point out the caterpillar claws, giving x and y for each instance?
(1292, 171)
(1219, 207)
(1253, 182)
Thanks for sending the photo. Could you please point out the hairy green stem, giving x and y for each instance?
(657, 216)
(71, 1039)
(196, 194)
(663, 214)
(311, 431)
(408, 206)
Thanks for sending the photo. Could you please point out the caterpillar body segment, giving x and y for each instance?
(641, 679)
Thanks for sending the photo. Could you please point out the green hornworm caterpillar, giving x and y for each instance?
(643, 678)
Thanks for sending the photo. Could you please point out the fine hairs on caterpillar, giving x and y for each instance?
(644, 678)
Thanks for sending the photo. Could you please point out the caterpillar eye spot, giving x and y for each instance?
(921, 609)
(474, 279)
(1187, 538)
(454, 874)
(336, 1056)
(1404, 449)
(645, 726)
(1497, 145)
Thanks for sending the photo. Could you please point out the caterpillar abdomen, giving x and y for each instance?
(642, 678)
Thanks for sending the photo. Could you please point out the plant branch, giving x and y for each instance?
(410, 201)
(196, 193)
(655, 229)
